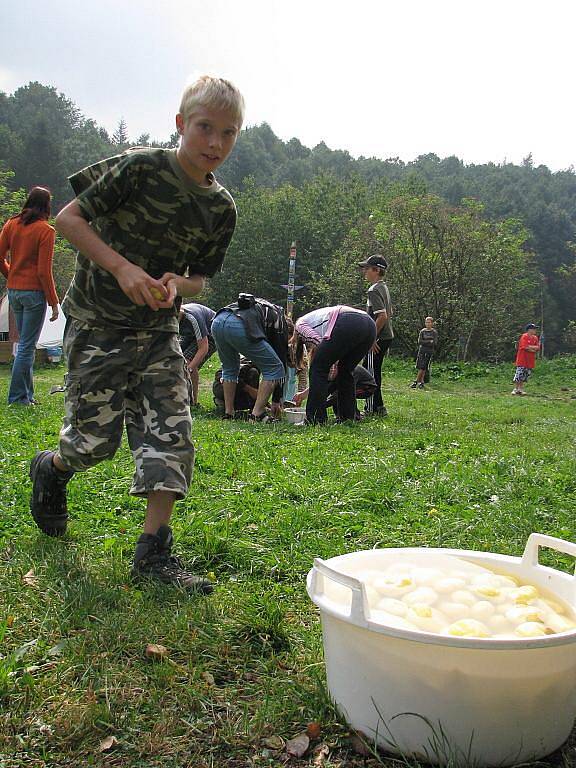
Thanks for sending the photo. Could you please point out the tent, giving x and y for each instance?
(51, 334)
(4, 317)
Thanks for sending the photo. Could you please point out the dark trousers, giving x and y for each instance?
(373, 363)
(351, 338)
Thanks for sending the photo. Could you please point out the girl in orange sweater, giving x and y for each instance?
(26, 252)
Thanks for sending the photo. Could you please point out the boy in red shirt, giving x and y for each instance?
(528, 345)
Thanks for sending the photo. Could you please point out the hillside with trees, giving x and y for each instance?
(483, 248)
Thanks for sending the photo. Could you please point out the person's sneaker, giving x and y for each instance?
(420, 385)
(48, 501)
(382, 411)
(154, 560)
(414, 385)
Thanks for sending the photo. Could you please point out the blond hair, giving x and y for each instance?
(215, 92)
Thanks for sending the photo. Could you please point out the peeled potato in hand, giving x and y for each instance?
(157, 294)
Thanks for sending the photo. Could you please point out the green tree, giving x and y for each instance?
(120, 136)
(11, 201)
(472, 275)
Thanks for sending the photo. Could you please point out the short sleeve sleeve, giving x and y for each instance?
(109, 191)
(378, 298)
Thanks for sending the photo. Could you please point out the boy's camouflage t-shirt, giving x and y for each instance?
(144, 206)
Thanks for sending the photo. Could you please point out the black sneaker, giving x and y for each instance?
(48, 501)
(153, 560)
(414, 385)
(421, 386)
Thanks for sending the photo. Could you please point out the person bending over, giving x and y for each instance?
(258, 330)
(332, 335)
(196, 340)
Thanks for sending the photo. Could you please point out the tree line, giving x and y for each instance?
(483, 248)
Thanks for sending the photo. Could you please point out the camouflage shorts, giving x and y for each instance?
(137, 378)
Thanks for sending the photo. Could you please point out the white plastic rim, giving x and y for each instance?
(295, 415)
(562, 584)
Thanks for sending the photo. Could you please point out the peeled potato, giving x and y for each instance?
(157, 294)
(559, 623)
(425, 618)
(482, 610)
(553, 605)
(393, 586)
(391, 605)
(518, 614)
(454, 610)
(421, 595)
(463, 596)
(468, 628)
(531, 629)
(524, 594)
(499, 624)
(485, 590)
(449, 584)
(425, 575)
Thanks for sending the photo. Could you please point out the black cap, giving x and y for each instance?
(374, 261)
(530, 326)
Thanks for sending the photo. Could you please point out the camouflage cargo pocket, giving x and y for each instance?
(72, 399)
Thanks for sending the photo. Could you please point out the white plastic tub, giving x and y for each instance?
(295, 415)
(472, 701)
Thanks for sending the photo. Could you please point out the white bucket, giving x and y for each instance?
(295, 415)
(468, 701)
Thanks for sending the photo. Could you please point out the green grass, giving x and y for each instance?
(462, 464)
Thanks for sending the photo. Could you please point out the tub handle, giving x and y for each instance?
(323, 571)
(537, 540)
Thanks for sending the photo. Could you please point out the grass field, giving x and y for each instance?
(462, 464)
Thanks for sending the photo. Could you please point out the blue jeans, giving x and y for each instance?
(231, 339)
(29, 308)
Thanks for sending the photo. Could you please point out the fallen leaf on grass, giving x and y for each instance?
(297, 746)
(313, 730)
(359, 743)
(9, 621)
(208, 678)
(321, 755)
(57, 649)
(156, 652)
(273, 742)
(107, 743)
(30, 578)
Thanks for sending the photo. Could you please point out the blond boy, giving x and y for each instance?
(150, 225)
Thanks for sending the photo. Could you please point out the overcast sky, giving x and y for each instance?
(483, 80)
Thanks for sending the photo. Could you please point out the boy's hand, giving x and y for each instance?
(141, 288)
(181, 285)
(375, 348)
